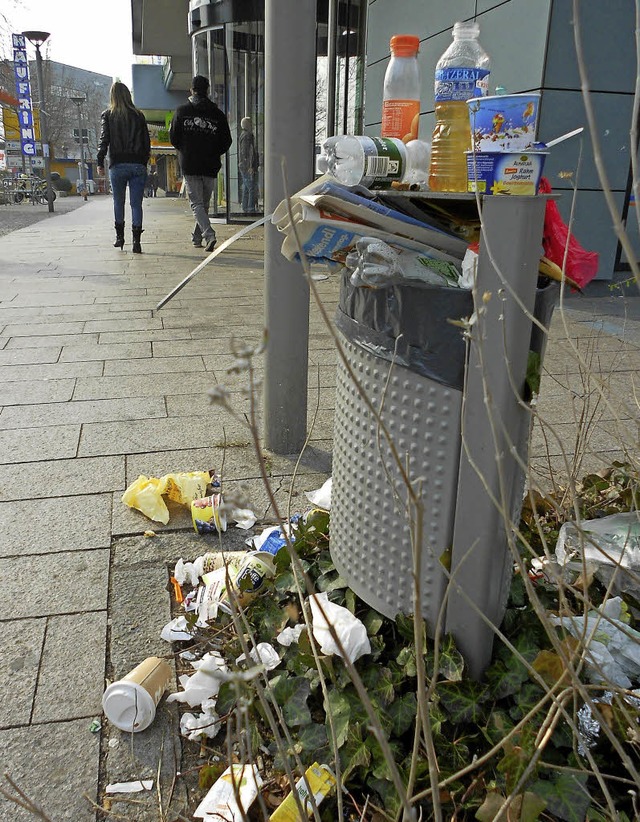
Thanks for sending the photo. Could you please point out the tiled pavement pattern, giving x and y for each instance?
(96, 388)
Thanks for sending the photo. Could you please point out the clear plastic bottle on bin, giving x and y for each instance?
(401, 90)
(375, 162)
(461, 73)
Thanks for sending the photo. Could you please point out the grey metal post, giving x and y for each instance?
(79, 101)
(37, 38)
(290, 70)
(492, 423)
(332, 63)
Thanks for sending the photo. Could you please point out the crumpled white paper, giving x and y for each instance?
(130, 787)
(263, 654)
(322, 497)
(243, 517)
(186, 572)
(204, 684)
(205, 724)
(612, 648)
(288, 636)
(176, 630)
(349, 629)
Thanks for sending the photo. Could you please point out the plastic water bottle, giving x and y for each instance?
(461, 73)
(375, 162)
(401, 91)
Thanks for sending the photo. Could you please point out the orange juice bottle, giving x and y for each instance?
(401, 93)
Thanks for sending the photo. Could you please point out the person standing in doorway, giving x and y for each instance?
(200, 132)
(125, 136)
(248, 165)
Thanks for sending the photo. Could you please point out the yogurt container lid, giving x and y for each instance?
(128, 706)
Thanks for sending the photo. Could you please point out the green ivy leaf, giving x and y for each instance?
(463, 704)
(356, 752)
(227, 698)
(313, 737)
(373, 622)
(403, 713)
(404, 624)
(291, 693)
(451, 661)
(407, 661)
(350, 600)
(341, 714)
(387, 793)
(567, 796)
(489, 809)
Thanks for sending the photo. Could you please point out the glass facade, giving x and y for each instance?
(231, 55)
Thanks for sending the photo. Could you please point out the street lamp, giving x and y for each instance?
(37, 38)
(79, 101)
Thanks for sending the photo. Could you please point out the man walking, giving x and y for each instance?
(200, 132)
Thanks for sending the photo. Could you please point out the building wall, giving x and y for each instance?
(531, 46)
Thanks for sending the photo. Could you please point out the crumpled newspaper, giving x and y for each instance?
(146, 493)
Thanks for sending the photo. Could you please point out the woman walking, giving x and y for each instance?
(125, 136)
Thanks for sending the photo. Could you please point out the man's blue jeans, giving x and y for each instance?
(199, 191)
(248, 191)
(135, 174)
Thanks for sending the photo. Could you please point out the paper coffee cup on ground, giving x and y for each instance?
(130, 703)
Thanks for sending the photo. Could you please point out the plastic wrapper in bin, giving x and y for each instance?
(409, 325)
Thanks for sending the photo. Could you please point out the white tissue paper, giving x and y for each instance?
(185, 572)
(349, 629)
(244, 518)
(205, 724)
(322, 497)
(264, 654)
(176, 630)
(288, 636)
(204, 684)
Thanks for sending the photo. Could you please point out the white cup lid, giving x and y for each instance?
(128, 706)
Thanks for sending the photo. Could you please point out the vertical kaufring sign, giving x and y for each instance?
(23, 93)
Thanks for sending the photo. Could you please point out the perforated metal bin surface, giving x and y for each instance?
(370, 524)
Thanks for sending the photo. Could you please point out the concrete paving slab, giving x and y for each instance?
(41, 391)
(58, 782)
(72, 663)
(43, 329)
(50, 340)
(49, 524)
(88, 351)
(24, 356)
(123, 324)
(61, 478)
(83, 411)
(49, 371)
(153, 365)
(36, 300)
(20, 648)
(618, 435)
(142, 385)
(151, 335)
(33, 444)
(63, 583)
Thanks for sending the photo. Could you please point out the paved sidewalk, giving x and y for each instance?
(96, 388)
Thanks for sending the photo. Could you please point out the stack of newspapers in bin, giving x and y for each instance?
(335, 226)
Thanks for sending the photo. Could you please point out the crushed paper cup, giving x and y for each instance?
(176, 630)
(221, 802)
(208, 515)
(321, 497)
(349, 629)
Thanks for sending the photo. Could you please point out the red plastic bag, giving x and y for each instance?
(581, 265)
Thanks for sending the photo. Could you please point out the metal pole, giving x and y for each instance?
(332, 65)
(290, 49)
(82, 175)
(44, 131)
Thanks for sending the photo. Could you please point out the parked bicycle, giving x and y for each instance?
(27, 189)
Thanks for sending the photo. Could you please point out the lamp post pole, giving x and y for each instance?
(79, 101)
(37, 38)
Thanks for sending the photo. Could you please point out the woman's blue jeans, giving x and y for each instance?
(135, 174)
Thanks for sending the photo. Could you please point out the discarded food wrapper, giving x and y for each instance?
(255, 569)
(612, 648)
(146, 493)
(221, 802)
(204, 684)
(319, 781)
(263, 654)
(271, 540)
(130, 787)
(349, 629)
(321, 497)
(208, 515)
(130, 703)
(210, 594)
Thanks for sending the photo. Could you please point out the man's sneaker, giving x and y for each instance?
(198, 244)
(211, 245)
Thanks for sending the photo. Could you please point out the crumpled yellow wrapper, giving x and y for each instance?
(146, 493)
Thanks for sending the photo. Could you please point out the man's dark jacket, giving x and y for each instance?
(200, 132)
(126, 139)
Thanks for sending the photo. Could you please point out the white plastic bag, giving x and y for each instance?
(349, 629)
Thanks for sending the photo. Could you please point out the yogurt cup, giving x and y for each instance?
(502, 172)
(130, 703)
(504, 122)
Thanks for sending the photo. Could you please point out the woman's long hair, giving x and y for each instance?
(120, 102)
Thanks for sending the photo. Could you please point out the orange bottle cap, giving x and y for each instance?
(404, 45)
